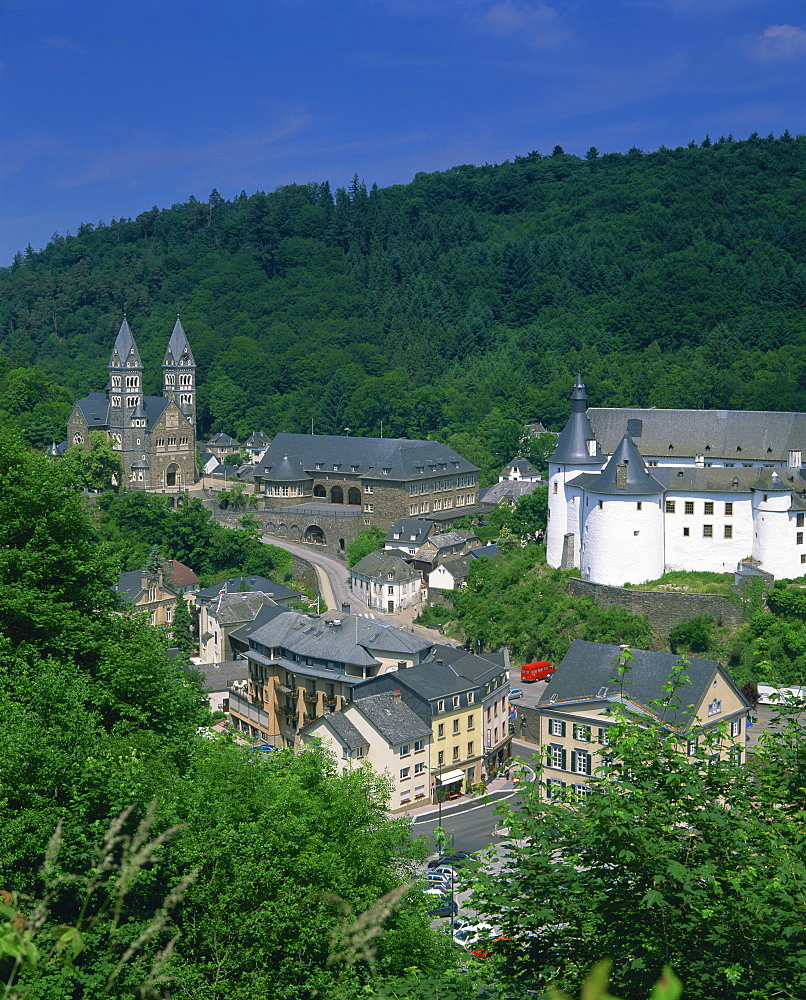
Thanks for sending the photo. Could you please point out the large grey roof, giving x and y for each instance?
(589, 667)
(346, 732)
(178, 352)
(288, 470)
(572, 444)
(430, 680)
(387, 567)
(625, 474)
(719, 479)
(95, 409)
(351, 642)
(403, 458)
(393, 719)
(523, 465)
(220, 676)
(735, 435)
(265, 614)
(509, 490)
(449, 538)
(475, 667)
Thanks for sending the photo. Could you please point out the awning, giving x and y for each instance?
(449, 777)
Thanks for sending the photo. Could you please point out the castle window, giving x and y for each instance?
(729, 509)
(709, 506)
(171, 442)
(601, 505)
(116, 401)
(638, 505)
(799, 538)
(689, 506)
(169, 379)
(555, 488)
(368, 489)
(132, 381)
(116, 381)
(186, 380)
(670, 506)
(799, 520)
(708, 531)
(685, 532)
(728, 531)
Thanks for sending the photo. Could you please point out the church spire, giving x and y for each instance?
(179, 373)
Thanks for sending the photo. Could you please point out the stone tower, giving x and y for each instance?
(179, 374)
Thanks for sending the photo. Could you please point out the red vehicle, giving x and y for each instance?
(540, 670)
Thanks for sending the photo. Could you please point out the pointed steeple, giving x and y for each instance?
(125, 349)
(577, 444)
(179, 353)
(626, 473)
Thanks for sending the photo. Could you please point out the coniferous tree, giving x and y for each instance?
(181, 629)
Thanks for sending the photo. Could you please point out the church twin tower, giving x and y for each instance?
(155, 436)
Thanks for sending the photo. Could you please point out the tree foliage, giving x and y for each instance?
(367, 540)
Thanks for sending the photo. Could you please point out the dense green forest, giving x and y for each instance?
(457, 306)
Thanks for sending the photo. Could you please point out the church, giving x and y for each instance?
(155, 436)
(635, 493)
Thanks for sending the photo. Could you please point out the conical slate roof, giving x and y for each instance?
(625, 474)
(125, 346)
(573, 443)
(139, 413)
(287, 470)
(179, 352)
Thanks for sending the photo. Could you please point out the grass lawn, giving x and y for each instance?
(690, 583)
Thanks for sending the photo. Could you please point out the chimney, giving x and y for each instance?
(396, 696)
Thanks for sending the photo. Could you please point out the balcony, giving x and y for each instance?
(331, 702)
(288, 713)
(285, 689)
(311, 695)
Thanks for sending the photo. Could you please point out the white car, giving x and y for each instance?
(449, 874)
(472, 934)
(437, 881)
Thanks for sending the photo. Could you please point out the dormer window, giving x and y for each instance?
(319, 465)
(353, 468)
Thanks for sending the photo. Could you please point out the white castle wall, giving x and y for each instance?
(622, 543)
(564, 512)
(775, 541)
(698, 552)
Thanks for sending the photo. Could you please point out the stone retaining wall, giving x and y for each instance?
(663, 609)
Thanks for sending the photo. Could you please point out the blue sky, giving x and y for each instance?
(108, 108)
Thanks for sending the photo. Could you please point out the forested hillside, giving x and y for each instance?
(460, 304)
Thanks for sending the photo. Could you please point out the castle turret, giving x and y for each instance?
(179, 373)
(577, 451)
(622, 518)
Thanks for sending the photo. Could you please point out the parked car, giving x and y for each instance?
(444, 908)
(433, 879)
(540, 670)
(472, 934)
(448, 873)
(515, 693)
(456, 860)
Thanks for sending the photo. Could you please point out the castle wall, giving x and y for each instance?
(622, 541)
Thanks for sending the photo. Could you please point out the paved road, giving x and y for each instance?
(334, 586)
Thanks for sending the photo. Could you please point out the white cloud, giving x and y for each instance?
(536, 24)
(780, 41)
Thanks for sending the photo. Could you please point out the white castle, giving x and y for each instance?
(634, 493)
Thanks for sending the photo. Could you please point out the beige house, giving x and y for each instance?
(384, 732)
(579, 705)
(156, 590)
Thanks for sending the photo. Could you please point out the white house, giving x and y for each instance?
(385, 581)
(636, 493)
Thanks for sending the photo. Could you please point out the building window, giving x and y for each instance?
(456, 701)
(715, 707)
(78, 439)
(557, 756)
(441, 758)
(555, 487)
(556, 727)
(709, 506)
(419, 768)
(691, 747)
(638, 505)
(367, 489)
(554, 788)
(729, 509)
(470, 749)
(728, 531)
(405, 772)
(386, 471)
(708, 531)
(441, 705)
(455, 754)
(441, 731)
(803, 558)
(580, 762)
(685, 532)
(689, 506)
(456, 725)
(470, 724)
(582, 732)
(601, 505)
(419, 745)
(735, 727)
(368, 508)
(405, 750)
(582, 791)
(799, 538)
(799, 520)
(670, 506)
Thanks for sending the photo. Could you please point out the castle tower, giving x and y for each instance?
(577, 451)
(125, 386)
(622, 521)
(179, 374)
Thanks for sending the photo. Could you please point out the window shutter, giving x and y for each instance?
(562, 729)
(573, 760)
(587, 759)
(563, 759)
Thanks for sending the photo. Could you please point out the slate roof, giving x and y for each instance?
(130, 585)
(222, 439)
(734, 435)
(393, 719)
(385, 567)
(449, 538)
(125, 346)
(490, 551)
(265, 614)
(351, 642)
(288, 470)
(406, 527)
(637, 479)
(509, 490)
(403, 458)
(458, 567)
(220, 676)
(346, 732)
(178, 345)
(572, 444)
(588, 667)
(254, 584)
(231, 608)
(476, 667)
(523, 466)
(257, 439)
(95, 409)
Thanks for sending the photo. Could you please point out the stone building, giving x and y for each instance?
(155, 436)
(384, 479)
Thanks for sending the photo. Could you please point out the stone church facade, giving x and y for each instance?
(155, 436)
